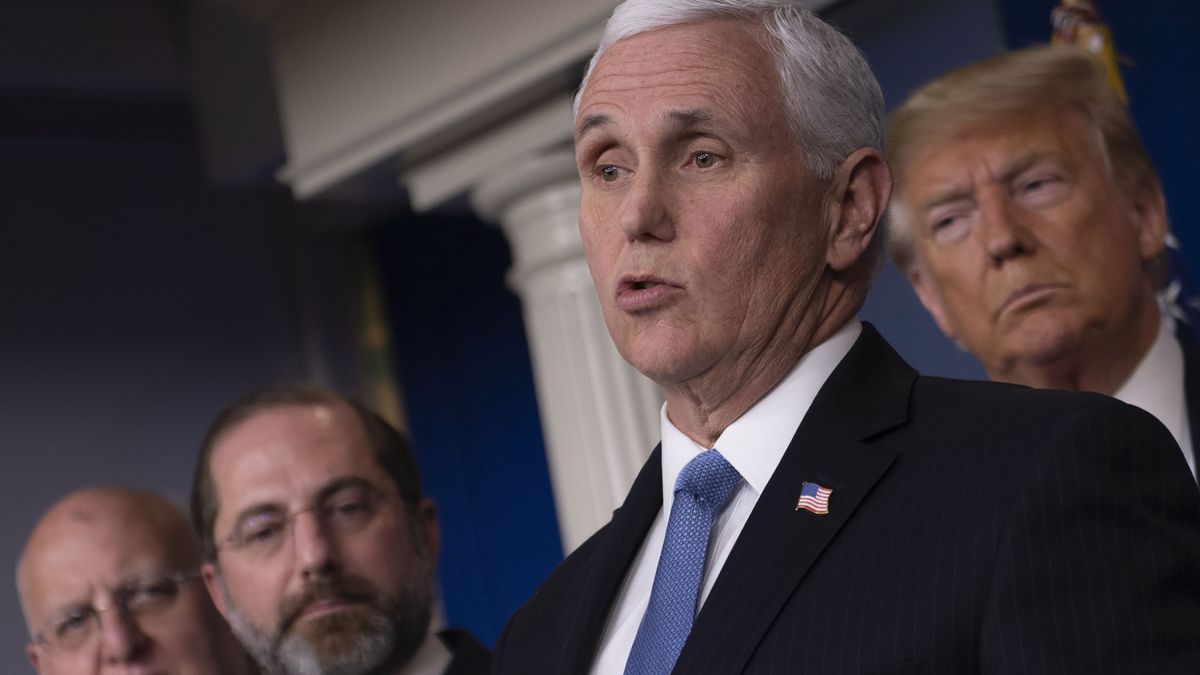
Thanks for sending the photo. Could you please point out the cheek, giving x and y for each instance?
(964, 307)
(959, 279)
(385, 556)
(257, 590)
(185, 639)
(597, 244)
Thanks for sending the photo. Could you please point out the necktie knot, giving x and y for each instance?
(710, 479)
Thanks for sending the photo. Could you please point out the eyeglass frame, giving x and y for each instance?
(375, 497)
(119, 600)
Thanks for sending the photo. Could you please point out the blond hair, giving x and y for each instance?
(1023, 82)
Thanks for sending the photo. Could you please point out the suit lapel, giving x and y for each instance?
(866, 394)
(609, 562)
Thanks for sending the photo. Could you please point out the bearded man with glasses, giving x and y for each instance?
(109, 583)
(320, 549)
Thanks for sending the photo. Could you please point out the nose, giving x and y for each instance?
(645, 213)
(121, 638)
(315, 552)
(1005, 228)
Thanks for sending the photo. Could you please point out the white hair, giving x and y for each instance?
(833, 101)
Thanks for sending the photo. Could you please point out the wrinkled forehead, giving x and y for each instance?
(79, 557)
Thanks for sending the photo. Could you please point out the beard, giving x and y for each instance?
(380, 632)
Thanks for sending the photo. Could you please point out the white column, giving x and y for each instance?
(599, 415)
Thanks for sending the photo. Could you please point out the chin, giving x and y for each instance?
(665, 361)
(1051, 340)
(1043, 347)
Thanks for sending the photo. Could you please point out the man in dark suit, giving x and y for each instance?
(815, 506)
(1031, 223)
(320, 550)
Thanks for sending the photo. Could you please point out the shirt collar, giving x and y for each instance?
(755, 442)
(1157, 386)
(432, 657)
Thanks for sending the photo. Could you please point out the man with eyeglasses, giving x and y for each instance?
(109, 583)
(320, 549)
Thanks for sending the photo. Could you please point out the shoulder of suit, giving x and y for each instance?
(996, 415)
(998, 398)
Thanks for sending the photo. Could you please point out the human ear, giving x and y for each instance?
(31, 651)
(427, 521)
(858, 196)
(209, 572)
(1150, 218)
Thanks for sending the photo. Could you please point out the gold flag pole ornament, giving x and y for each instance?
(1076, 22)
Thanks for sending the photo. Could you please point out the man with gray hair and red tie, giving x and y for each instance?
(815, 505)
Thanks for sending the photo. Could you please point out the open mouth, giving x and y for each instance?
(640, 282)
(643, 292)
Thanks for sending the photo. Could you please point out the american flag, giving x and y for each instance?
(815, 498)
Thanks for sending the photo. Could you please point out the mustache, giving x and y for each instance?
(346, 588)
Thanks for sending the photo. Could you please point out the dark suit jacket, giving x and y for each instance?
(1191, 382)
(973, 528)
(470, 657)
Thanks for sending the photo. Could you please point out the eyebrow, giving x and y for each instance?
(954, 194)
(340, 484)
(331, 488)
(683, 120)
(1010, 172)
(592, 122)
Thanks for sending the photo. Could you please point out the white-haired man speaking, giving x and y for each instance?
(815, 506)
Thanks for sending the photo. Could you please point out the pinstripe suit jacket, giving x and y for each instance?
(973, 528)
(1191, 382)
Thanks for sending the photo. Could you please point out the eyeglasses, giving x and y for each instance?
(76, 626)
(262, 533)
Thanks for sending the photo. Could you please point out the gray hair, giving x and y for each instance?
(833, 101)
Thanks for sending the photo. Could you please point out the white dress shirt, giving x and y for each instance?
(1157, 387)
(432, 657)
(754, 444)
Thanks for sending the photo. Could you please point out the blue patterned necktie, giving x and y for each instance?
(701, 492)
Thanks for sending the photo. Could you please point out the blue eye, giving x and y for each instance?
(609, 173)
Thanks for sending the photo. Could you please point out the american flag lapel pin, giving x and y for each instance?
(814, 498)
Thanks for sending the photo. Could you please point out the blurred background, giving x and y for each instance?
(203, 197)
